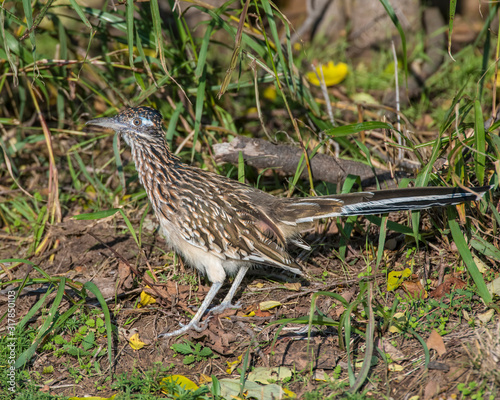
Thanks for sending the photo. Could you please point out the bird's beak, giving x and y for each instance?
(110, 123)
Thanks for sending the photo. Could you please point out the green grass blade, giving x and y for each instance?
(200, 101)
(130, 31)
(46, 327)
(275, 35)
(156, 17)
(34, 309)
(8, 54)
(91, 287)
(96, 215)
(130, 227)
(98, 186)
(28, 13)
(463, 248)
(381, 240)
(393, 226)
(81, 14)
(241, 167)
(453, 7)
(350, 129)
(172, 123)
(118, 162)
(397, 24)
(480, 139)
(485, 248)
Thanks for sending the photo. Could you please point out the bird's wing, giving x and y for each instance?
(220, 217)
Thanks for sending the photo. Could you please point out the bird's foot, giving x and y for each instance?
(196, 325)
(224, 306)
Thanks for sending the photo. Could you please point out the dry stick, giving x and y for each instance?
(53, 199)
(329, 109)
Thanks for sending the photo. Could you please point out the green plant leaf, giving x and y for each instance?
(183, 348)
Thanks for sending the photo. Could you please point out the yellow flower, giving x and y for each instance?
(333, 73)
(270, 93)
(231, 365)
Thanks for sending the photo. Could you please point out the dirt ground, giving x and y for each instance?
(105, 253)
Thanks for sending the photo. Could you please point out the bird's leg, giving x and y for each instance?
(194, 323)
(226, 303)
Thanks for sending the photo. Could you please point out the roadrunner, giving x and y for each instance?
(223, 227)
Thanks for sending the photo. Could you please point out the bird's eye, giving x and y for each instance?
(137, 121)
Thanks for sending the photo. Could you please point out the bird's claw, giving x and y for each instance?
(224, 306)
(197, 326)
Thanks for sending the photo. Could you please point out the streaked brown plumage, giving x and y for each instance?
(222, 227)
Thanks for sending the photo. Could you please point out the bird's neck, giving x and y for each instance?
(155, 164)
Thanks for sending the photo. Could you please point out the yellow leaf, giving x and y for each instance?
(398, 317)
(135, 342)
(232, 365)
(395, 367)
(204, 379)
(396, 278)
(394, 329)
(333, 74)
(481, 266)
(146, 300)
(180, 380)
(267, 305)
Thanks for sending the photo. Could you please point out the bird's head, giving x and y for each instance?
(136, 125)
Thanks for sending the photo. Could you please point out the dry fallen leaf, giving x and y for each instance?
(486, 316)
(268, 305)
(450, 283)
(414, 289)
(431, 389)
(396, 355)
(293, 286)
(125, 275)
(435, 341)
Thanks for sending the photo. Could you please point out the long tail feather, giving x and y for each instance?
(384, 201)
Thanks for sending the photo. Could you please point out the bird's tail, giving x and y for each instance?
(384, 201)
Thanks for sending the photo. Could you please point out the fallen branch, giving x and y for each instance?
(284, 159)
